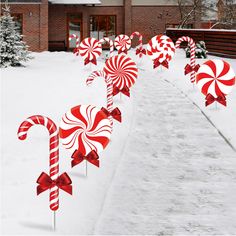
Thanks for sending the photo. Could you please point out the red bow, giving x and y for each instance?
(157, 63)
(78, 157)
(189, 69)
(75, 51)
(116, 114)
(87, 60)
(124, 51)
(45, 182)
(140, 51)
(124, 90)
(210, 99)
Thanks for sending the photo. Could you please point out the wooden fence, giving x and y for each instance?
(218, 42)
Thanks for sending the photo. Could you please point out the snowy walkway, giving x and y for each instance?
(177, 175)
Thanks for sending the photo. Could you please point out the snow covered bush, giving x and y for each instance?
(13, 50)
(200, 51)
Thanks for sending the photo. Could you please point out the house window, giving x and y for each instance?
(187, 26)
(103, 26)
(74, 26)
(18, 19)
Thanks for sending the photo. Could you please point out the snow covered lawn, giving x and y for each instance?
(166, 171)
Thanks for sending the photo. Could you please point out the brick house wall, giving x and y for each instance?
(58, 19)
(35, 24)
(155, 23)
(44, 22)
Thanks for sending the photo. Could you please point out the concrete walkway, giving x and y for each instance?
(177, 175)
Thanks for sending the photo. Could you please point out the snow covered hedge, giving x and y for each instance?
(200, 52)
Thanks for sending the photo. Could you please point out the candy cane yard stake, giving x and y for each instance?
(140, 51)
(52, 182)
(111, 44)
(192, 68)
(76, 37)
(116, 114)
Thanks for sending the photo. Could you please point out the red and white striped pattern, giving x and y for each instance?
(106, 39)
(122, 43)
(215, 77)
(140, 38)
(90, 49)
(85, 128)
(109, 84)
(76, 37)
(161, 47)
(53, 149)
(192, 53)
(122, 70)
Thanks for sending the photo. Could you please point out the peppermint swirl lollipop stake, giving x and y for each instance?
(161, 49)
(215, 78)
(85, 129)
(122, 43)
(90, 49)
(123, 72)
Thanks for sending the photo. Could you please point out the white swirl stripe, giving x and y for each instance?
(85, 128)
(122, 70)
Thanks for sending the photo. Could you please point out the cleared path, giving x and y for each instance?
(177, 175)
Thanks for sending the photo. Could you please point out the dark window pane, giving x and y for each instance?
(74, 28)
(102, 27)
(111, 27)
(94, 27)
(18, 22)
(75, 17)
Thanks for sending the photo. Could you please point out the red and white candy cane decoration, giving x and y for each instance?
(140, 51)
(53, 158)
(192, 68)
(111, 44)
(116, 114)
(123, 72)
(215, 77)
(76, 37)
(90, 49)
(161, 49)
(122, 43)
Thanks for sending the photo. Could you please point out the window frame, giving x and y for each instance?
(22, 20)
(107, 16)
(68, 27)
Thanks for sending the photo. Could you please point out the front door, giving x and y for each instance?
(74, 26)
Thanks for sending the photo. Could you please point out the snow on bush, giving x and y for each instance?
(13, 50)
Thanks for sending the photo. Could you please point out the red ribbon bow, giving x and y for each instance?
(124, 90)
(140, 51)
(210, 99)
(76, 50)
(124, 51)
(188, 69)
(45, 182)
(157, 63)
(78, 157)
(116, 114)
(87, 60)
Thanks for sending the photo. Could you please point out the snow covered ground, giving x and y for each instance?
(167, 171)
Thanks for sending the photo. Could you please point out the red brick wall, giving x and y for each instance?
(34, 28)
(152, 20)
(30, 23)
(58, 19)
